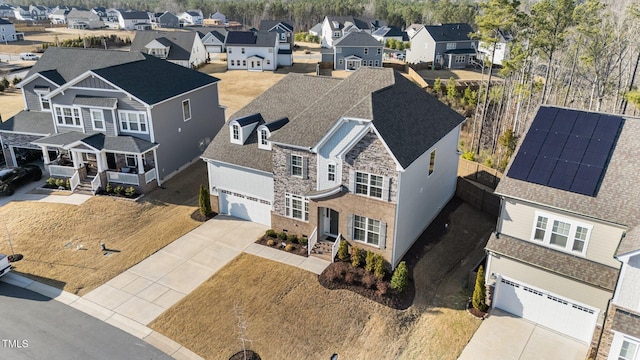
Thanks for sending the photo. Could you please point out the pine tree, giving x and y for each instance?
(400, 278)
(204, 201)
(480, 292)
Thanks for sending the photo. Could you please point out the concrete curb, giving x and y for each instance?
(134, 328)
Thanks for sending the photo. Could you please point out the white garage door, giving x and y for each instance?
(548, 310)
(245, 207)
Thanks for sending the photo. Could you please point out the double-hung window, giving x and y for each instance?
(263, 138)
(68, 116)
(297, 165)
(451, 46)
(432, 162)
(628, 350)
(45, 104)
(366, 230)
(562, 234)
(369, 184)
(133, 121)
(296, 207)
(97, 119)
(186, 110)
(236, 132)
(331, 172)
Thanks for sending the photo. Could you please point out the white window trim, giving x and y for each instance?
(329, 172)
(367, 231)
(368, 185)
(135, 161)
(616, 345)
(432, 165)
(570, 239)
(451, 46)
(93, 120)
(72, 108)
(122, 118)
(288, 206)
(301, 165)
(188, 102)
(41, 94)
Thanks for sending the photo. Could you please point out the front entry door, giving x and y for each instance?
(330, 222)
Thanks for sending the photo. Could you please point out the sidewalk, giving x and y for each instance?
(133, 299)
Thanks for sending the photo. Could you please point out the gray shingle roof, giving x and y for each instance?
(357, 38)
(5, 22)
(341, 20)
(180, 42)
(449, 32)
(553, 261)
(250, 38)
(34, 122)
(617, 200)
(99, 141)
(249, 119)
(266, 25)
(134, 15)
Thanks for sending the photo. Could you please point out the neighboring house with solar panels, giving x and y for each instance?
(95, 117)
(371, 158)
(569, 215)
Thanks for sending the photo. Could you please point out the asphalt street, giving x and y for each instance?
(36, 327)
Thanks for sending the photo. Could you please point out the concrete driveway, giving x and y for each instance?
(505, 336)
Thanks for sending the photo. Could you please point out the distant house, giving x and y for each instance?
(191, 18)
(446, 45)
(316, 30)
(167, 20)
(336, 27)
(59, 16)
(413, 29)
(134, 20)
(285, 39)
(101, 12)
(6, 11)
(501, 49)
(8, 32)
(214, 41)
(39, 12)
(253, 51)
(22, 13)
(356, 49)
(96, 121)
(184, 48)
(217, 18)
(388, 33)
(83, 19)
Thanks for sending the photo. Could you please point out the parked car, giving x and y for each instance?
(28, 56)
(12, 178)
(5, 267)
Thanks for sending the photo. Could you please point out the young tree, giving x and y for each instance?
(204, 201)
(478, 301)
(343, 250)
(451, 90)
(400, 277)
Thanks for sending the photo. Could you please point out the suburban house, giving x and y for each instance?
(8, 31)
(486, 51)
(39, 12)
(59, 16)
(83, 19)
(386, 33)
(134, 20)
(95, 120)
(101, 11)
(184, 48)
(356, 49)
(166, 20)
(446, 45)
(253, 51)
(285, 39)
(316, 30)
(191, 18)
(217, 19)
(413, 29)
(336, 27)
(23, 13)
(214, 41)
(371, 159)
(6, 11)
(567, 212)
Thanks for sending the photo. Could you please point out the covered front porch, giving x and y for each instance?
(91, 162)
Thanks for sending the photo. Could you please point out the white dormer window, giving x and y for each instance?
(236, 132)
(263, 136)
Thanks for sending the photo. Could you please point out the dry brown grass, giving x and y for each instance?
(47, 234)
(33, 40)
(11, 103)
(290, 316)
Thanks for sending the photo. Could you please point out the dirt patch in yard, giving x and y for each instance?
(33, 40)
(61, 243)
(289, 315)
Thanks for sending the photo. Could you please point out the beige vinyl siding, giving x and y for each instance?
(518, 219)
(550, 282)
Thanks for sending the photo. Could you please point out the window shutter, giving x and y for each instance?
(352, 181)
(350, 226)
(305, 167)
(288, 172)
(386, 187)
(383, 235)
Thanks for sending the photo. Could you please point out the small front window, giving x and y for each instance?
(432, 162)
(368, 184)
(560, 233)
(379, 51)
(459, 59)
(366, 51)
(186, 110)
(263, 137)
(366, 230)
(296, 165)
(243, 50)
(541, 227)
(45, 104)
(451, 46)
(97, 119)
(331, 172)
(236, 132)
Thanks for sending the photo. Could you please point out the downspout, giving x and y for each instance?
(606, 311)
(395, 223)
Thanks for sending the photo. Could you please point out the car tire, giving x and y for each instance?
(9, 192)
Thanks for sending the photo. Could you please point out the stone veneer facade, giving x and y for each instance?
(368, 155)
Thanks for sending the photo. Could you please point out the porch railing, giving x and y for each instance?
(95, 184)
(62, 171)
(122, 178)
(75, 181)
(150, 175)
(335, 246)
(313, 239)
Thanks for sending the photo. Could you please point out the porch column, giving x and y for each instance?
(101, 160)
(140, 164)
(76, 159)
(45, 155)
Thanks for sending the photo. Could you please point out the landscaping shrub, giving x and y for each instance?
(356, 256)
(16, 80)
(369, 261)
(4, 82)
(382, 287)
(51, 182)
(289, 247)
(478, 300)
(270, 242)
(282, 235)
(349, 278)
(378, 267)
(368, 280)
(204, 201)
(60, 182)
(271, 233)
(130, 191)
(400, 278)
(109, 188)
(118, 189)
(292, 238)
(67, 184)
(303, 240)
(333, 274)
(343, 250)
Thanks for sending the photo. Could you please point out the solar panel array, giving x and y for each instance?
(567, 150)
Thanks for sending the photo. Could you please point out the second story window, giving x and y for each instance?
(263, 138)
(562, 234)
(379, 51)
(243, 50)
(451, 46)
(133, 122)
(68, 116)
(236, 132)
(186, 110)
(432, 162)
(296, 165)
(366, 51)
(368, 184)
(97, 119)
(331, 172)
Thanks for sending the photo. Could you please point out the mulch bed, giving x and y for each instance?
(342, 275)
(298, 249)
(475, 312)
(197, 216)
(251, 355)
